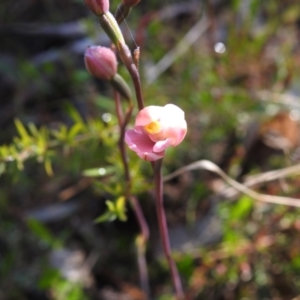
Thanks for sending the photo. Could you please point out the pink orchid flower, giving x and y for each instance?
(156, 128)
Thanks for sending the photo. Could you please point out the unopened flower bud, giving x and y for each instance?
(124, 9)
(98, 7)
(101, 62)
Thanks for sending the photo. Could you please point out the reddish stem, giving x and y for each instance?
(133, 201)
(126, 57)
(163, 228)
(133, 70)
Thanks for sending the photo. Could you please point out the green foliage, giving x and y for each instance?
(45, 144)
(186, 266)
(59, 287)
(235, 216)
(43, 233)
(241, 209)
(115, 210)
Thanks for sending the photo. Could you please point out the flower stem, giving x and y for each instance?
(127, 59)
(163, 228)
(142, 240)
(144, 230)
(133, 70)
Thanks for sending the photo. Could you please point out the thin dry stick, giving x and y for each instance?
(210, 166)
(263, 177)
(272, 175)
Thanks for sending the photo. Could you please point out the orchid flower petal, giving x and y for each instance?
(150, 156)
(148, 115)
(162, 145)
(140, 143)
(177, 132)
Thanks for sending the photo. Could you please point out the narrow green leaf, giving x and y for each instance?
(4, 152)
(106, 217)
(22, 131)
(106, 188)
(61, 133)
(241, 208)
(111, 206)
(33, 129)
(43, 232)
(74, 130)
(120, 208)
(73, 113)
(48, 166)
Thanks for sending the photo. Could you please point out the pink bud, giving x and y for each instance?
(156, 129)
(100, 62)
(98, 7)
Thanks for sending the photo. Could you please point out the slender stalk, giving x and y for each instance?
(134, 73)
(163, 228)
(126, 57)
(118, 106)
(144, 235)
(141, 242)
(123, 121)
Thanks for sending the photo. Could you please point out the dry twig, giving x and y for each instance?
(210, 166)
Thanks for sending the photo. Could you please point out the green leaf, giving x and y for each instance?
(48, 166)
(186, 265)
(73, 114)
(75, 130)
(111, 206)
(110, 189)
(106, 217)
(22, 132)
(48, 277)
(120, 208)
(33, 129)
(61, 133)
(115, 210)
(242, 208)
(4, 151)
(43, 233)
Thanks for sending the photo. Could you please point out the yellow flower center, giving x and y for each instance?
(153, 127)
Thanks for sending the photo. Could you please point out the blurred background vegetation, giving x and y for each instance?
(233, 66)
